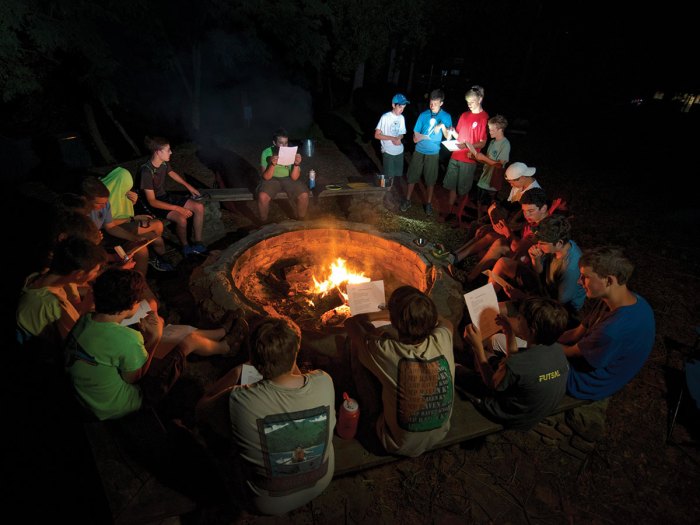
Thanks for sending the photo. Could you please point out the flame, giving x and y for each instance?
(339, 275)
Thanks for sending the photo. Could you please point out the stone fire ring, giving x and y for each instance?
(216, 284)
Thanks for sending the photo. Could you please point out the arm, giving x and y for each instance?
(380, 136)
(473, 335)
(151, 327)
(572, 351)
(154, 202)
(121, 233)
(417, 137)
(536, 256)
(296, 168)
(573, 336)
(177, 178)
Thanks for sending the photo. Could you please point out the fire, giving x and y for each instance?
(339, 275)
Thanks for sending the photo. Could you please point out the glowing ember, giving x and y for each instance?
(339, 275)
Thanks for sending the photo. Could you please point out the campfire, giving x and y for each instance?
(312, 303)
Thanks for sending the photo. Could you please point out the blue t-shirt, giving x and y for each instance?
(426, 124)
(102, 217)
(615, 348)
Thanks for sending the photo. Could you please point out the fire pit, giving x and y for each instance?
(272, 272)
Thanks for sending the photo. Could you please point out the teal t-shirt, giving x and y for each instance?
(280, 171)
(96, 352)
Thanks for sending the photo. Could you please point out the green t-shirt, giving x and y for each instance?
(280, 171)
(96, 352)
(40, 310)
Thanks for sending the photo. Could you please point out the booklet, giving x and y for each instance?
(366, 297)
(482, 304)
(143, 310)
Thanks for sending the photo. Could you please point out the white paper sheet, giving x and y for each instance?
(453, 145)
(249, 374)
(286, 155)
(143, 310)
(366, 297)
(483, 309)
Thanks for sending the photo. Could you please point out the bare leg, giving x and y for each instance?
(475, 246)
(180, 226)
(198, 344)
(409, 190)
(451, 199)
(430, 194)
(263, 205)
(302, 205)
(141, 259)
(497, 250)
(197, 209)
(506, 269)
(156, 227)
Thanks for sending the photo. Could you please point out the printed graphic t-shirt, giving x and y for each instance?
(285, 436)
(417, 390)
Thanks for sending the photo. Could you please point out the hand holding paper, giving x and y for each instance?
(482, 305)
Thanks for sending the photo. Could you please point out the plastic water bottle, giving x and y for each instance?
(348, 417)
(312, 179)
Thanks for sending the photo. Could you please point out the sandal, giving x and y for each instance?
(440, 252)
(236, 337)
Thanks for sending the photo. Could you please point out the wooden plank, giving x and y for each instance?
(244, 194)
(467, 423)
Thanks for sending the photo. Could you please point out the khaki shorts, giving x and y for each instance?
(459, 176)
(293, 188)
(426, 165)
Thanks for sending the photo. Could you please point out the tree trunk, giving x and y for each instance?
(121, 129)
(359, 79)
(95, 134)
(197, 91)
(392, 64)
(411, 70)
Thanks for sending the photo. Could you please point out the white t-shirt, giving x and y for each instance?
(391, 125)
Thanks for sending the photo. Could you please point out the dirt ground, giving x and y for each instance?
(632, 475)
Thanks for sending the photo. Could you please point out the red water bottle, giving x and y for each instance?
(348, 416)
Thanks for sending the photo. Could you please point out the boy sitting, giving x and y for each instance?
(528, 384)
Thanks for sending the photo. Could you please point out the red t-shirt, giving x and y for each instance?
(472, 127)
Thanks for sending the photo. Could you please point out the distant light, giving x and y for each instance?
(659, 95)
(71, 137)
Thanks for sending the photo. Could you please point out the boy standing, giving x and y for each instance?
(427, 136)
(390, 132)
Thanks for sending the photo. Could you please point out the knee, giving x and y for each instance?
(263, 198)
(157, 227)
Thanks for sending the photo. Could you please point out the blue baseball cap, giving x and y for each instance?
(399, 99)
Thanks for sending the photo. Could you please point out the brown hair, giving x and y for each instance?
(553, 229)
(477, 91)
(116, 290)
(499, 121)
(608, 260)
(154, 144)
(413, 314)
(545, 317)
(76, 253)
(273, 346)
(91, 187)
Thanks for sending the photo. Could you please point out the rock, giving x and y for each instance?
(581, 444)
(564, 429)
(588, 421)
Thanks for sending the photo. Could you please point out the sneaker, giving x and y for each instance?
(198, 247)
(428, 209)
(160, 265)
(188, 250)
(405, 205)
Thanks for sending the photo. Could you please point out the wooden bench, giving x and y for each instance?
(135, 496)
(244, 194)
